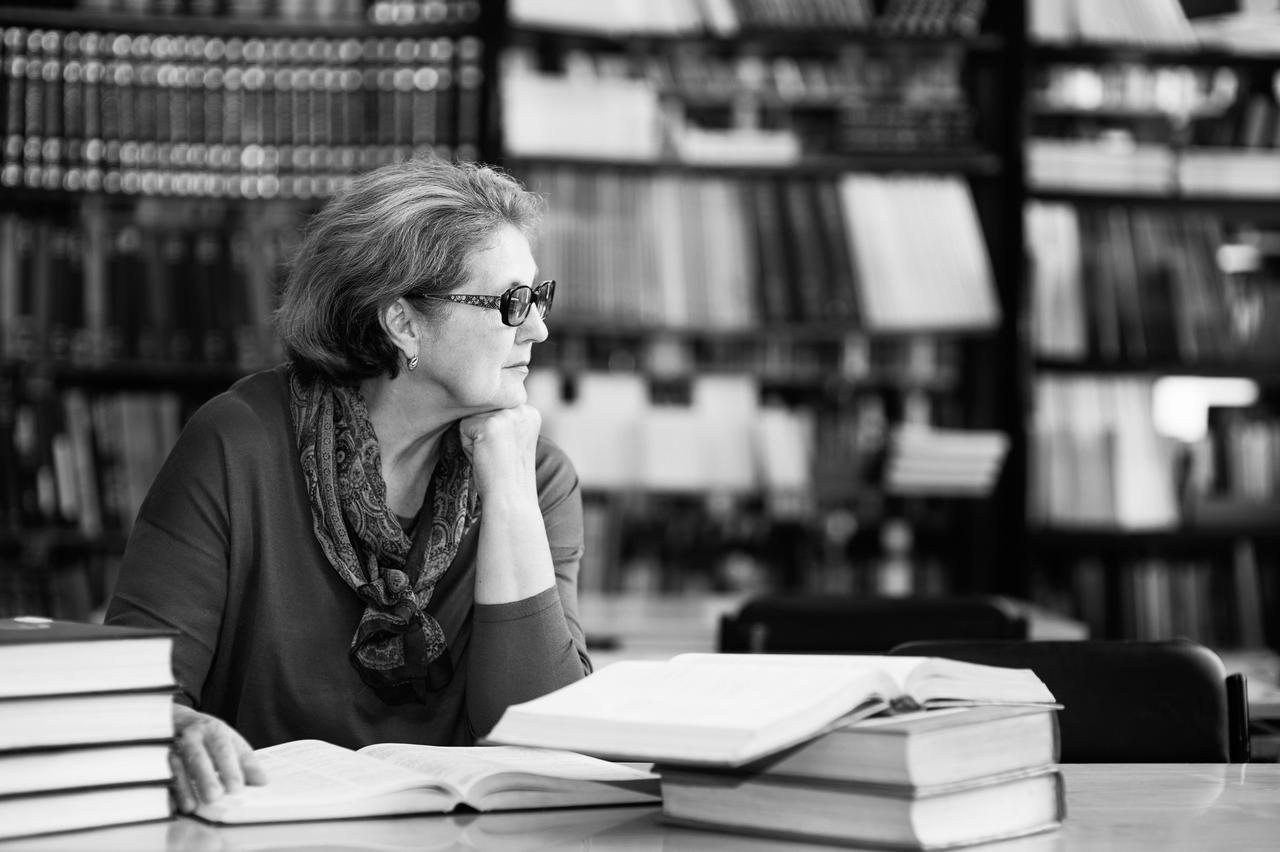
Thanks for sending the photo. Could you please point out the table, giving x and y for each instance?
(1130, 807)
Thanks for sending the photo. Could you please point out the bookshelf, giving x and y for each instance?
(157, 159)
(1153, 312)
(769, 365)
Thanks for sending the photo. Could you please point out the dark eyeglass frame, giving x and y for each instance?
(513, 304)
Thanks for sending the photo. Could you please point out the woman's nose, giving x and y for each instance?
(534, 327)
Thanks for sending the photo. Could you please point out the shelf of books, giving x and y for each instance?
(1153, 242)
(157, 159)
(745, 208)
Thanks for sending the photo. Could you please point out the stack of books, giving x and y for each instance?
(86, 722)
(928, 460)
(906, 752)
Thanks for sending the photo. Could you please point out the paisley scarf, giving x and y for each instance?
(399, 649)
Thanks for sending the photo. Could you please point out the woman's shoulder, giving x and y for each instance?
(255, 407)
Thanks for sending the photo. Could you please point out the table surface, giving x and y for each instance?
(1131, 807)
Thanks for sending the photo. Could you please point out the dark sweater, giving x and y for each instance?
(223, 552)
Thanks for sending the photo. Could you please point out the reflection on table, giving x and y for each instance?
(1131, 807)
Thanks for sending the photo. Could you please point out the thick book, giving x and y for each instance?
(95, 719)
(43, 657)
(50, 769)
(71, 810)
(313, 780)
(730, 709)
(925, 748)
(882, 816)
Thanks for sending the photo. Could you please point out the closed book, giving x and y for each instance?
(883, 816)
(50, 769)
(44, 657)
(98, 718)
(925, 748)
(70, 810)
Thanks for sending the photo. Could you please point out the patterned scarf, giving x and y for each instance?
(398, 648)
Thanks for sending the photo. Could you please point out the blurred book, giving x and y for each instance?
(950, 462)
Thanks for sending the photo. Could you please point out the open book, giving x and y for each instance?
(311, 780)
(728, 709)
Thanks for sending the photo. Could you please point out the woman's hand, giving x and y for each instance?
(209, 758)
(502, 445)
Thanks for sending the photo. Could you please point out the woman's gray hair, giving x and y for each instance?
(402, 230)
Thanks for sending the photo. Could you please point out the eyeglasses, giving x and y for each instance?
(514, 304)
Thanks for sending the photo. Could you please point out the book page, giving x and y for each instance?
(940, 680)
(922, 679)
(682, 712)
(314, 771)
(896, 669)
(731, 694)
(468, 767)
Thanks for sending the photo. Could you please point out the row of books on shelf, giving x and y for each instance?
(729, 438)
(1137, 284)
(883, 252)
(1149, 23)
(1220, 602)
(1240, 458)
(82, 461)
(315, 174)
(1099, 461)
(1132, 88)
(665, 545)
(733, 17)
(701, 107)
(404, 12)
(886, 73)
(1125, 166)
(69, 589)
(92, 102)
(725, 439)
(86, 722)
(161, 281)
(829, 362)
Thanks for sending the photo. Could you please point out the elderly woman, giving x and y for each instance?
(371, 542)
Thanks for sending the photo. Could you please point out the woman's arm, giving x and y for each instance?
(526, 640)
(174, 576)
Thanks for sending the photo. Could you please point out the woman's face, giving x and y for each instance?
(478, 361)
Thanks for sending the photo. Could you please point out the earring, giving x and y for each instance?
(411, 362)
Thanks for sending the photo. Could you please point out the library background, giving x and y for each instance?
(875, 298)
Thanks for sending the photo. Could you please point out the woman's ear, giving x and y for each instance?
(401, 323)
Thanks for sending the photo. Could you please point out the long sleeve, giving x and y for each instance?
(527, 648)
(174, 573)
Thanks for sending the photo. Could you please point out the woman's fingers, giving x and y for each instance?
(209, 758)
(254, 774)
(193, 750)
(183, 794)
(224, 752)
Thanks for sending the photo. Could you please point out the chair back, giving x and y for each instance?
(1126, 701)
(819, 624)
